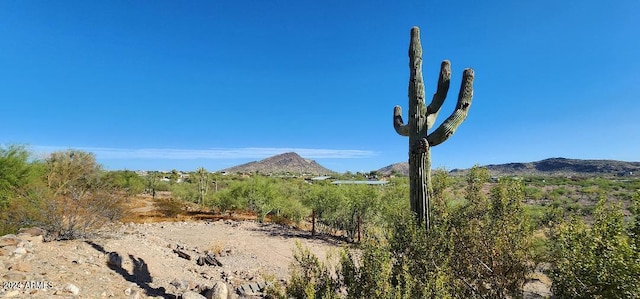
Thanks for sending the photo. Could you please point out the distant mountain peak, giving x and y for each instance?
(401, 168)
(283, 163)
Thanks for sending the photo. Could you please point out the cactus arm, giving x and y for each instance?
(450, 125)
(398, 124)
(440, 94)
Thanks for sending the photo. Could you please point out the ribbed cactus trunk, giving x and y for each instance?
(422, 118)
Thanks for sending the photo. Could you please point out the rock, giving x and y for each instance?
(21, 267)
(218, 291)
(107, 294)
(19, 252)
(33, 231)
(131, 294)
(10, 240)
(192, 295)
(32, 239)
(71, 288)
(252, 289)
(180, 284)
(4, 251)
(182, 254)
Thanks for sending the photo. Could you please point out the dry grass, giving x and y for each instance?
(215, 248)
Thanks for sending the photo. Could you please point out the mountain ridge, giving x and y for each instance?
(550, 166)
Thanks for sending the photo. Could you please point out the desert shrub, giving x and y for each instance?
(289, 210)
(289, 205)
(537, 215)
(311, 278)
(477, 248)
(163, 186)
(264, 196)
(260, 194)
(14, 172)
(325, 201)
(368, 275)
(393, 198)
(601, 261)
(229, 198)
(533, 193)
(128, 181)
(169, 207)
(78, 198)
(489, 239)
(346, 208)
(185, 191)
(17, 177)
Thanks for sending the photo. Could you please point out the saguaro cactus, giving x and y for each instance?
(422, 118)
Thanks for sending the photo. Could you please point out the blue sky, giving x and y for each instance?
(183, 84)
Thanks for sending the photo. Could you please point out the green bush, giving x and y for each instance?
(477, 248)
(185, 191)
(18, 178)
(128, 181)
(311, 278)
(67, 194)
(601, 261)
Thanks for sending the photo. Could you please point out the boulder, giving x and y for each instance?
(218, 291)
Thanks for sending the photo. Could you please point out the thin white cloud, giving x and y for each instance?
(214, 153)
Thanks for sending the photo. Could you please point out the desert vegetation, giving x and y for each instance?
(487, 235)
(67, 193)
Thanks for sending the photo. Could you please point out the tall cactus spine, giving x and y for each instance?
(422, 119)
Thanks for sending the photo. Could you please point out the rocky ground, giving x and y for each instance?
(162, 260)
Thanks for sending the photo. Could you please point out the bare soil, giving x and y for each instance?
(248, 251)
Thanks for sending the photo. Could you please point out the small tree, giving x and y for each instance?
(20, 186)
(14, 172)
(323, 201)
(128, 181)
(78, 197)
